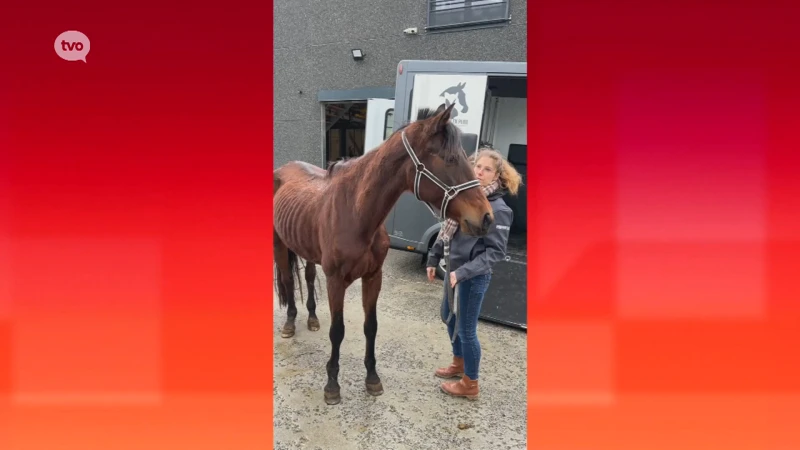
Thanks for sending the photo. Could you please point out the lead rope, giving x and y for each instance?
(451, 292)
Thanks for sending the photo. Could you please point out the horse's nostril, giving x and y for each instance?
(487, 220)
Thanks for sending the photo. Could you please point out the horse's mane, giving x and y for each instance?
(452, 142)
(422, 114)
(452, 134)
(335, 166)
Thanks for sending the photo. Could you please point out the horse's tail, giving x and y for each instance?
(293, 268)
(294, 274)
(283, 294)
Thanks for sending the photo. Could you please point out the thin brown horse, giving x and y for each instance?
(335, 218)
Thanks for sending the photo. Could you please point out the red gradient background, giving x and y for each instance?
(135, 251)
(135, 277)
(662, 303)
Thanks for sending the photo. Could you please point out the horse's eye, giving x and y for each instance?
(450, 160)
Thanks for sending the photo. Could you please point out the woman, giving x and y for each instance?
(471, 260)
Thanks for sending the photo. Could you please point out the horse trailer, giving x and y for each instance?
(491, 108)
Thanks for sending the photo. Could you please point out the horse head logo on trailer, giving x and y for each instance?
(455, 94)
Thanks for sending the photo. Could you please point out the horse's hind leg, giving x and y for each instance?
(311, 304)
(285, 259)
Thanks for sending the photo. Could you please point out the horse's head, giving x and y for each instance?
(437, 144)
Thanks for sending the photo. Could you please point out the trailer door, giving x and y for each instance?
(466, 91)
(380, 121)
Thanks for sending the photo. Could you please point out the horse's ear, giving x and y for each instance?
(443, 115)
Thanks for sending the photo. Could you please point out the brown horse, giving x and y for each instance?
(335, 218)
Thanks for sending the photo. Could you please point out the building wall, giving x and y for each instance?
(313, 40)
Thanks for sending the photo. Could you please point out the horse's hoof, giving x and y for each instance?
(332, 398)
(375, 389)
(313, 324)
(287, 332)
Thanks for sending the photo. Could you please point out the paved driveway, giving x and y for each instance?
(412, 341)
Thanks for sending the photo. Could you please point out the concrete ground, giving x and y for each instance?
(412, 341)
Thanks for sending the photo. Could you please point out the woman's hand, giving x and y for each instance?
(431, 273)
(453, 280)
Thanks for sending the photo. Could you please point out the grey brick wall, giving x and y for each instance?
(313, 40)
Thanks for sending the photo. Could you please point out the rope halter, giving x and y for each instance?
(449, 191)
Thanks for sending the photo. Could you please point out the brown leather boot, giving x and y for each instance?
(463, 388)
(454, 370)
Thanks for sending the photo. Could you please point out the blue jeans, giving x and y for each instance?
(470, 299)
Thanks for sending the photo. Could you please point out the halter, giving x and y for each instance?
(449, 192)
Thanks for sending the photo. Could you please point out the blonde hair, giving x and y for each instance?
(509, 178)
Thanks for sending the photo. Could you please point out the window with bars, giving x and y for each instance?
(443, 14)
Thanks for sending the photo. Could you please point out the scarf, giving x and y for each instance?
(446, 235)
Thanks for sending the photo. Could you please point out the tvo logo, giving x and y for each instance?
(72, 46)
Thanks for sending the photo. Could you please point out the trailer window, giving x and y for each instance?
(388, 124)
(444, 14)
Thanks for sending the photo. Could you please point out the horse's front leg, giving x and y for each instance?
(370, 289)
(336, 290)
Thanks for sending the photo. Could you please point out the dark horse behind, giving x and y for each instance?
(335, 219)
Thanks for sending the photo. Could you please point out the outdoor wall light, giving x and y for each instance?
(358, 54)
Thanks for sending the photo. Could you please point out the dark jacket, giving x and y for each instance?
(471, 256)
